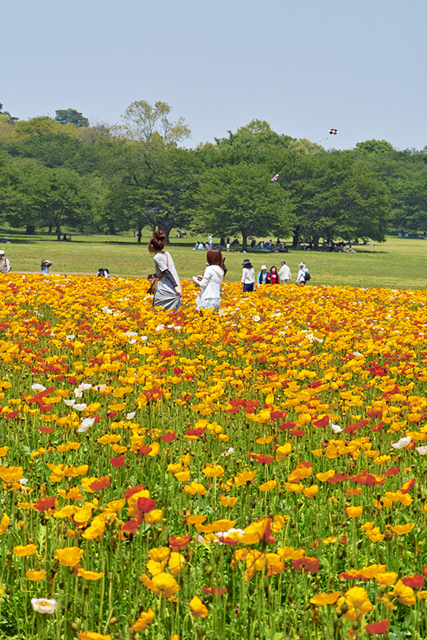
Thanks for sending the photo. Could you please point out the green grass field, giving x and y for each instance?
(397, 263)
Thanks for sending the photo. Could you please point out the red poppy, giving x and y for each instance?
(277, 415)
(338, 477)
(130, 526)
(393, 471)
(146, 504)
(377, 427)
(45, 407)
(118, 462)
(374, 413)
(145, 450)
(12, 414)
(322, 422)
(43, 504)
(306, 564)
(100, 483)
(179, 543)
(407, 486)
(377, 627)
(168, 437)
(112, 414)
(344, 540)
(298, 432)
(195, 432)
(415, 582)
(345, 575)
(130, 492)
(215, 591)
(46, 429)
(286, 425)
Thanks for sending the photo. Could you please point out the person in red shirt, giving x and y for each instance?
(273, 276)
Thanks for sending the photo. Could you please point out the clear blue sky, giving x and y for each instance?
(302, 65)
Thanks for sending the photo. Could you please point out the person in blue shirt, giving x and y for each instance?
(263, 274)
(45, 266)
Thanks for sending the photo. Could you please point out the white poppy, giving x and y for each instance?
(86, 423)
(69, 403)
(228, 452)
(421, 450)
(38, 387)
(80, 407)
(403, 442)
(335, 427)
(131, 415)
(44, 605)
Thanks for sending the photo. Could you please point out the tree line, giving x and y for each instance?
(61, 172)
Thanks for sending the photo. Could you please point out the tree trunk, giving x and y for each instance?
(31, 230)
(111, 228)
(316, 238)
(166, 228)
(50, 228)
(58, 232)
(139, 235)
(295, 238)
(244, 241)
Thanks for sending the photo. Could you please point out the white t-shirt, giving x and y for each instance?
(162, 265)
(285, 272)
(248, 276)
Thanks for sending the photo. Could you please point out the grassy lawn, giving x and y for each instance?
(397, 263)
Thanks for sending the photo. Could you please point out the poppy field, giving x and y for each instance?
(257, 473)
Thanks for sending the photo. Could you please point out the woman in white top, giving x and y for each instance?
(168, 291)
(210, 283)
(302, 270)
(248, 276)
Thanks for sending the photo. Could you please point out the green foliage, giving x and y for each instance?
(336, 196)
(146, 123)
(241, 199)
(66, 116)
(142, 178)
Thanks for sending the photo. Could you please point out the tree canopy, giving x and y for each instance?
(61, 172)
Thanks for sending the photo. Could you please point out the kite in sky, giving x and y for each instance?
(331, 132)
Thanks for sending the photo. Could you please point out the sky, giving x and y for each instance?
(305, 66)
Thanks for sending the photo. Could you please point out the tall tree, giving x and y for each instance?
(143, 122)
(336, 197)
(71, 116)
(241, 199)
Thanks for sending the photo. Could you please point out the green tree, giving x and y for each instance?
(143, 122)
(151, 187)
(335, 196)
(241, 199)
(71, 116)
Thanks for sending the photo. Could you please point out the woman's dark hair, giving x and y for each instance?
(157, 242)
(273, 267)
(214, 257)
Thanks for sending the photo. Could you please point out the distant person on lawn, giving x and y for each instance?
(45, 267)
(302, 274)
(284, 273)
(263, 275)
(248, 276)
(4, 264)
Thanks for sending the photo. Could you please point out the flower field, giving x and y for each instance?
(254, 474)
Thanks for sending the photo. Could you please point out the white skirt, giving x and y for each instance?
(208, 303)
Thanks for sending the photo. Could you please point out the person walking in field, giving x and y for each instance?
(284, 273)
(248, 276)
(4, 264)
(210, 283)
(303, 275)
(166, 284)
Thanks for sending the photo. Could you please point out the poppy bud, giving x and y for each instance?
(344, 607)
(75, 627)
